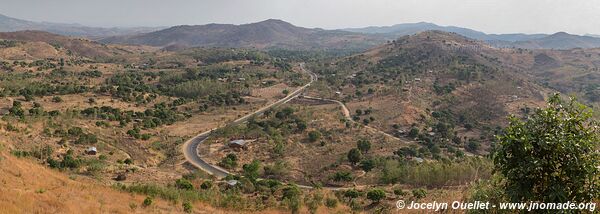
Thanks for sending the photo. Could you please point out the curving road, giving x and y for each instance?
(190, 147)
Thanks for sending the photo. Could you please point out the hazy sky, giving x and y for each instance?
(500, 16)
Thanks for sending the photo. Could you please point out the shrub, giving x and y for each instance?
(147, 201)
(183, 183)
(399, 192)
(187, 207)
(251, 170)
(419, 193)
(376, 195)
(342, 176)
(206, 184)
(229, 161)
(351, 193)
(331, 202)
(57, 99)
(313, 136)
(128, 161)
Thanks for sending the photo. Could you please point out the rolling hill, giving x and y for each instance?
(9, 24)
(77, 46)
(558, 40)
(266, 34)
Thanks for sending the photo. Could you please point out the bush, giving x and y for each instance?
(351, 193)
(376, 195)
(342, 176)
(414, 132)
(183, 183)
(128, 161)
(399, 192)
(419, 193)
(147, 201)
(331, 202)
(206, 184)
(187, 207)
(229, 161)
(57, 99)
(313, 136)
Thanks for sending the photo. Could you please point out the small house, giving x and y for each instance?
(91, 151)
(232, 183)
(238, 144)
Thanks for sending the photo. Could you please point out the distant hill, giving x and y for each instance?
(9, 24)
(414, 28)
(559, 40)
(266, 34)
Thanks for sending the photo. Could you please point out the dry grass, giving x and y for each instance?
(28, 187)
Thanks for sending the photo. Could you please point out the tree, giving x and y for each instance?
(376, 195)
(313, 136)
(16, 109)
(552, 155)
(363, 145)
(414, 132)
(354, 156)
(367, 165)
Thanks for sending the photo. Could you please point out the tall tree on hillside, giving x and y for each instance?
(552, 156)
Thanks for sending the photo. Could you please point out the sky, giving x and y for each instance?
(500, 16)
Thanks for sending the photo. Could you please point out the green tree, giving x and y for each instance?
(354, 156)
(364, 145)
(16, 109)
(376, 195)
(367, 165)
(552, 155)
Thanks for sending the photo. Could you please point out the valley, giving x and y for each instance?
(270, 117)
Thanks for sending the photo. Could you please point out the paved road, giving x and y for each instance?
(190, 148)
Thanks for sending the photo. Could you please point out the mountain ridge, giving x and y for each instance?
(10, 24)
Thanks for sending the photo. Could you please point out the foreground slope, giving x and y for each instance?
(28, 187)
